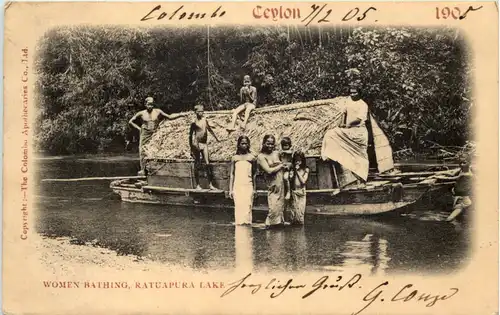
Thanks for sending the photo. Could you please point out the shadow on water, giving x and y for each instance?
(418, 240)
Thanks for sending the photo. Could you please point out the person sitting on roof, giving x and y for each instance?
(348, 143)
(150, 119)
(248, 97)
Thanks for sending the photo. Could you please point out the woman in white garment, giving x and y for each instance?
(347, 144)
(242, 181)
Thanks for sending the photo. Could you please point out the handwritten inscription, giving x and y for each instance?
(316, 14)
(180, 14)
(277, 287)
(454, 13)
(327, 284)
(405, 294)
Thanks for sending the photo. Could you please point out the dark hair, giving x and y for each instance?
(264, 141)
(241, 138)
(285, 141)
(299, 156)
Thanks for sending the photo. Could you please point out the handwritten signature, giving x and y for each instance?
(276, 288)
(405, 295)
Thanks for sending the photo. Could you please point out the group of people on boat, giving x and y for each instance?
(286, 172)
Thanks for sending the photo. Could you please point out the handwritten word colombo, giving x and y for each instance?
(181, 14)
(318, 14)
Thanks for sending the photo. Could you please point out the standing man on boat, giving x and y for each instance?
(198, 138)
(248, 98)
(150, 117)
(347, 144)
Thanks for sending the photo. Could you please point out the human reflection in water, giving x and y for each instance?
(201, 256)
(296, 248)
(367, 255)
(275, 253)
(287, 249)
(243, 243)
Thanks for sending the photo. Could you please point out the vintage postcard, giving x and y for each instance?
(250, 158)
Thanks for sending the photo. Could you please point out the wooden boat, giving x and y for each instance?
(173, 185)
(389, 187)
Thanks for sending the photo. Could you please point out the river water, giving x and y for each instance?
(418, 240)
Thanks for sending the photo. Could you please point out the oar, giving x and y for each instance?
(91, 178)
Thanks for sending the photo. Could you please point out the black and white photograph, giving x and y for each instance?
(293, 148)
(243, 158)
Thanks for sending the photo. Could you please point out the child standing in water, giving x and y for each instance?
(248, 98)
(242, 181)
(199, 149)
(286, 155)
(462, 190)
(300, 176)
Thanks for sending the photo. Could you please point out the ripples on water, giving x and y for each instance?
(418, 240)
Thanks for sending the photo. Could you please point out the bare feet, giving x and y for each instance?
(212, 187)
(198, 187)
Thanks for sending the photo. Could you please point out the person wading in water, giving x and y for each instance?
(150, 117)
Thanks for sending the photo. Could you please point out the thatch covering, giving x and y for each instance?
(304, 123)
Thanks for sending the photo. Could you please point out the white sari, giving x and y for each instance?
(348, 146)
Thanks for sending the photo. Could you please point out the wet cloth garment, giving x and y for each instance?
(275, 198)
(464, 184)
(147, 131)
(348, 146)
(298, 206)
(243, 192)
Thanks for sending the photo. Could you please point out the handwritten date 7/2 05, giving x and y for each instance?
(321, 14)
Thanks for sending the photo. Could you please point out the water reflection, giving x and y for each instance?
(243, 244)
(207, 239)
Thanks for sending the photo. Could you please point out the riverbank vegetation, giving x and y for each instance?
(91, 80)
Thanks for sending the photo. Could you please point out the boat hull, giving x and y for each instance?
(320, 202)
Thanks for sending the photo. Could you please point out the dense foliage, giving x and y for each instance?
(92, 80)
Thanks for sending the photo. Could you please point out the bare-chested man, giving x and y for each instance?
(150, 119)
(198, 136)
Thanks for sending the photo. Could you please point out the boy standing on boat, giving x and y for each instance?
(198, 136)
(150, 119)
(248, 98)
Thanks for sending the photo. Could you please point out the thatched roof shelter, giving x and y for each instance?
(304, 123)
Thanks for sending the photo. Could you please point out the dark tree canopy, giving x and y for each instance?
(92, 80)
